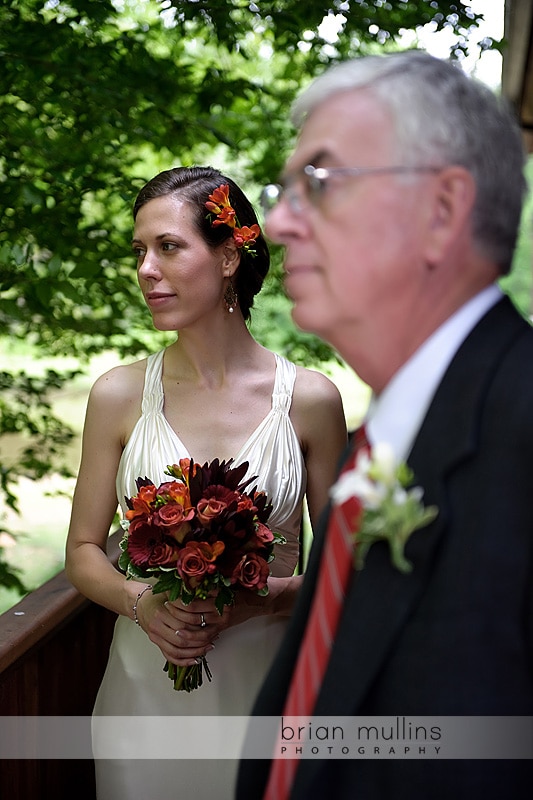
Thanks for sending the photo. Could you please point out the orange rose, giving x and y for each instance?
(215, 501)
(174, 520)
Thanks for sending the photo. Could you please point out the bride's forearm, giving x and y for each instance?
(91, 572)
(282, 593)
(279, 601)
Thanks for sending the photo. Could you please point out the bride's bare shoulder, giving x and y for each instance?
(314, 387)
(121, 385)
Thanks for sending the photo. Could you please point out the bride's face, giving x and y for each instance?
(181, 277)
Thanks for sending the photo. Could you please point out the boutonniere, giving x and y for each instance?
(379, 502)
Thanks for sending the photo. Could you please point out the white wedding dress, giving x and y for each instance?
(134, 683)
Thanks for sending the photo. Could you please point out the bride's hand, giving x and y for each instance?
(248, 604)
(179, 634)
(278, 602)
(184, 633)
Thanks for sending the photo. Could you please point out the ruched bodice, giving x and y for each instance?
(272, 451)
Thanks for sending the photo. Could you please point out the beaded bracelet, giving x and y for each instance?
(135, 617)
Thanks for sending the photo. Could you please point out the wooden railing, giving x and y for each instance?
(54, 646)
(53, 651)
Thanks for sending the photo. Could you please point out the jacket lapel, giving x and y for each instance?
(381, 598)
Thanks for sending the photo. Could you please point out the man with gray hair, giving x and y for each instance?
(399, 211)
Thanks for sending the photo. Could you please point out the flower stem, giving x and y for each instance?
(188, 678)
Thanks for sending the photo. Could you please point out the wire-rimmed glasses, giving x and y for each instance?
(307, 187)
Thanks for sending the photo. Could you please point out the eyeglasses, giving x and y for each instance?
(309, 186)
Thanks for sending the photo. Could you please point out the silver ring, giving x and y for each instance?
(203, 623)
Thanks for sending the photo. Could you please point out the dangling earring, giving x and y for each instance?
(230, 298)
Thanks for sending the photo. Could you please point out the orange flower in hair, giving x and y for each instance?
(246, 236)
(219, 205)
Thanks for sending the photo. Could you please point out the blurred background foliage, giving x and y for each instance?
(96, 97)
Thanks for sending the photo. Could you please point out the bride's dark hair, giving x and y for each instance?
(196, 184)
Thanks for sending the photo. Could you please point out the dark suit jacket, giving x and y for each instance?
(455, 636)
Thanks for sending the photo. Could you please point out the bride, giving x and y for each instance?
(214, 393)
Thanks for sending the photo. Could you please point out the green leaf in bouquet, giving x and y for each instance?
(185, 595)
(168, 582)
(225, 597)
(134, 571)
(124, 561)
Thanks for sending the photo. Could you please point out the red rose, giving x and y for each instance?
(196, 559)
(261, 539)
(163, 554)
(264, 534)
(252, 572)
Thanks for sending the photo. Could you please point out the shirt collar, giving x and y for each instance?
(397, 414)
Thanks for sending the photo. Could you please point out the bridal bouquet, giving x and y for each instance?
(199, 533)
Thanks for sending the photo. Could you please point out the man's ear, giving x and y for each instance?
(231, 258)
(450, 213)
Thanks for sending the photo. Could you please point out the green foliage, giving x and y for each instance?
(97, 96)
(518, 284)
(9, 575)
(93, 92)
(26, 412)
(25, 409)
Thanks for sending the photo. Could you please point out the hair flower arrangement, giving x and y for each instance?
(219, 205)
(380, 503)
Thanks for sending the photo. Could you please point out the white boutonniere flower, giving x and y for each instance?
(381, 503)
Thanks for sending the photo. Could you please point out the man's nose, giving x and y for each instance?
(283, 222)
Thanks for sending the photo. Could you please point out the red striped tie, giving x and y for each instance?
(333, 578)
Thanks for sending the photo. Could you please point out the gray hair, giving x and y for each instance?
(442, 117)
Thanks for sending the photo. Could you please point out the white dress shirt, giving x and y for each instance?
(396, 415)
